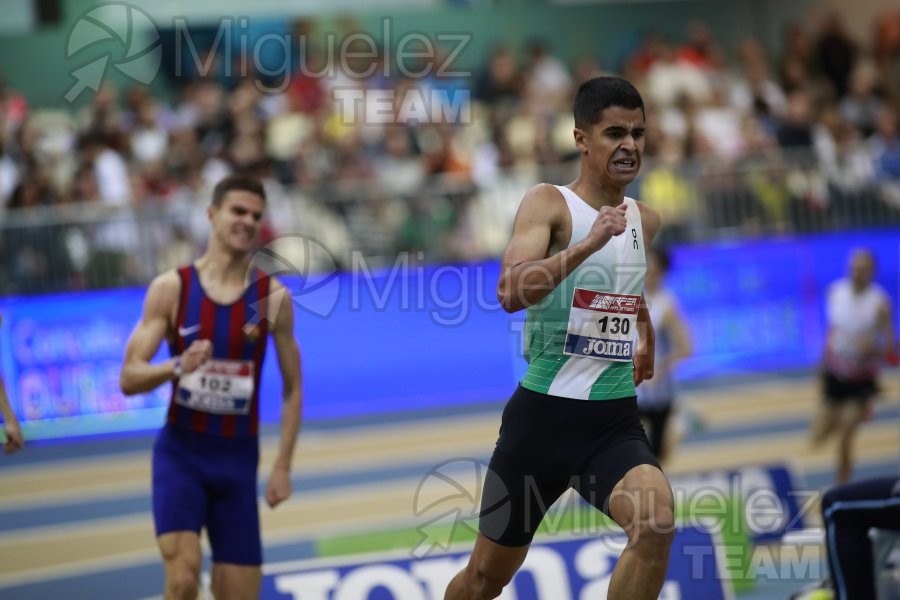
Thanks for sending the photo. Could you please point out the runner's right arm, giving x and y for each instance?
(138, 375)
(528, 275)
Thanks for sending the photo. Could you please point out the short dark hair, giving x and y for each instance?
(238, 182)
(597, 94)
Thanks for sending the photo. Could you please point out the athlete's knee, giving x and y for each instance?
(182, 572)
(653, 529)
(183, 582)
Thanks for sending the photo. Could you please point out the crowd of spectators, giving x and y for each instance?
(739, 139)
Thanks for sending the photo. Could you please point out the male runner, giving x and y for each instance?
(216, 315)
(576, 261)
(860, 336)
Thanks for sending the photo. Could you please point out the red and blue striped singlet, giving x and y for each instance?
(222, 396)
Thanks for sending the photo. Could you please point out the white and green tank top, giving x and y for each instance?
(579, 340)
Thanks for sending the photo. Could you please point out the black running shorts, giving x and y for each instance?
(548, 444)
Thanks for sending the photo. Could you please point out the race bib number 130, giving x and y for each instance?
(602, 325)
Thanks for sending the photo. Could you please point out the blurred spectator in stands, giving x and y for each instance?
(861, 106)
(849, 167)
(667, 188)
(149, 140)
(798, 62)
(766, 178)
(886, 52)
(151, 183)
(700, 50)
(548, 84)
(587, 67)
(500, 82)
(179, 250)
(499, 178)
(676, 119)
(35, 256)
(836, 52)
(720, 123)
(795, 76)
(110, 170)
(9, 173)
(398, 171)
(729, 200)
(103, 116)
(345, 179)
(884, 147)
(116, 237)
(545, 148)
(13, 109)
(652, 49)
(845, 163)
(444, 160)
(305, 94)
(794, 131)
(755, 91)
(668, 79)
(205, 111)
(83, 187)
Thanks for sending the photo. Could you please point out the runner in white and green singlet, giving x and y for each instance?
(566, 355)
(576, 262)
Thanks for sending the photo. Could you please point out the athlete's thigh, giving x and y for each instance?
(234, 531)
(608, 468)
(526, 474)
(180, 499)
(232, 520)
(236, 582)
(515, 498)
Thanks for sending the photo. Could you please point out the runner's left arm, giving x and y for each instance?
(646, 344)
(279, 486)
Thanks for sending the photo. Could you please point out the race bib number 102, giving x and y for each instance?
(602, 325)
(219, 386)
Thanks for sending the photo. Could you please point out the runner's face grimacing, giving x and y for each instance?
(614, 145)
(237, 222)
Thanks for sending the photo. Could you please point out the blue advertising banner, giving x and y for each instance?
(754, 306)
(415, 337)
(554, 570)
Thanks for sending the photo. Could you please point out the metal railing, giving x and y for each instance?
(75, 247)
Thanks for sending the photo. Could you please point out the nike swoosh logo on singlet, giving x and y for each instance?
(186, 331)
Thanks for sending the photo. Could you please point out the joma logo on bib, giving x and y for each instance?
(607, 349)
(602, 325)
